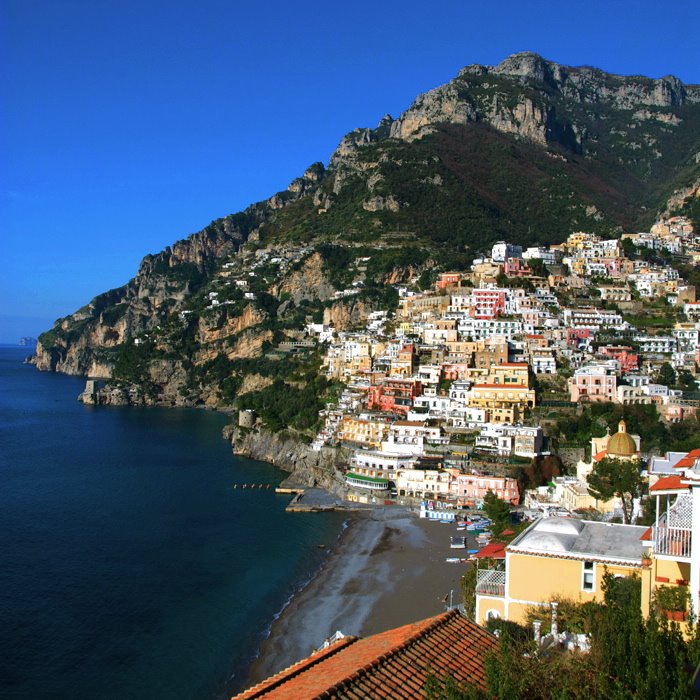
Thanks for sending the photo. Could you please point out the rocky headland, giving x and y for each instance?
(526, 151)
(307, 467)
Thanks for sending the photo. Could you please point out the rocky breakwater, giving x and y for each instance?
(307, 467)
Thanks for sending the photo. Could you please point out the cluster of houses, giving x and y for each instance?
(446, 388)
(566, 558)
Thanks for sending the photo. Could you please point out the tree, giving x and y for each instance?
(617, 477)
(686, 381)
(425, 281)
(630, 657)
(666, 375)
(498, 511)
(539, 269)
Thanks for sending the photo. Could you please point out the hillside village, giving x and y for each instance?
(442, 403)
(442, 399)
(460, 396)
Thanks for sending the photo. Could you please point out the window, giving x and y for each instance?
(588, 581)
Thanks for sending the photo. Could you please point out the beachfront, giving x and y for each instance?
(388, 569)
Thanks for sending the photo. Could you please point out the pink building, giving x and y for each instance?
(516, 267)
(394, 395)
(612, 265)
(453, 370)
(470, 489)
(674, 413)
(593, 383)
(488, 303)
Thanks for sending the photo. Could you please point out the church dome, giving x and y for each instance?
(621, 444)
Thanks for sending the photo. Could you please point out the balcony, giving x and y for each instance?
(491, 582)
(671, 541)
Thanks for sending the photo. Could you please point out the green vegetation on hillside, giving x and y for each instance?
(294, 403)
(640, 420)
(629, 657)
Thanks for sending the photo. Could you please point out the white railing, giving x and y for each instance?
(671, 541)
(491, 582)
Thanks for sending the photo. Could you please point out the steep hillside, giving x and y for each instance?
(526, 151)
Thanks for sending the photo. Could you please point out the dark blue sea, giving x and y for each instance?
(129, 565)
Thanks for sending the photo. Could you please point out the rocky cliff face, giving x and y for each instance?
(162, 284)
(347, 314)
(480, 94)
(307, 467)
(309, 282)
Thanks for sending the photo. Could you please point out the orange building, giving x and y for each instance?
(394, 395)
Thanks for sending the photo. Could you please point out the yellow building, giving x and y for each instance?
(559, 558)
(364, 432)
(361, 363)
(580, 239)
(513, 373)
(505, 403)
(575, 497)
(404, 363)
(567, 558)
(417, 306)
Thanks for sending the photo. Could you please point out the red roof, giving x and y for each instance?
(669, 483)
(493, 550)
(647, 535)
(689, 460)
(392, 664)
(600, 455)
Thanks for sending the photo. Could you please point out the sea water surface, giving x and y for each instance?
(130, 566)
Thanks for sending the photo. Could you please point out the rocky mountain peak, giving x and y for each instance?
(527, 96)
(526, 64)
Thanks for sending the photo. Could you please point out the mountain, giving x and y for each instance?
(527, 151)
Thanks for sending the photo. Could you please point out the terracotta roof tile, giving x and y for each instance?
(493, 550)
(669, 483)
(392, 664)
(689, 460)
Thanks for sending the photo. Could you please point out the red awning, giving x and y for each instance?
(493, 550)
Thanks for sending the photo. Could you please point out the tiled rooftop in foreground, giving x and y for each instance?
(392, 664)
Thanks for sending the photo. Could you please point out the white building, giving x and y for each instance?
(506, 440)
(501, 251)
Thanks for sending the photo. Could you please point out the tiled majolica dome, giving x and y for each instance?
(621, 444)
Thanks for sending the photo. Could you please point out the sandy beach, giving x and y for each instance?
(388, 569)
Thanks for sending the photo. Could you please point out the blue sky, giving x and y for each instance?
(126, 125)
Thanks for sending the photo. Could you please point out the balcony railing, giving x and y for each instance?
(491, 582)
(671, 541)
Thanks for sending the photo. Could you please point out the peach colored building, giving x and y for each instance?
(470, 489)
